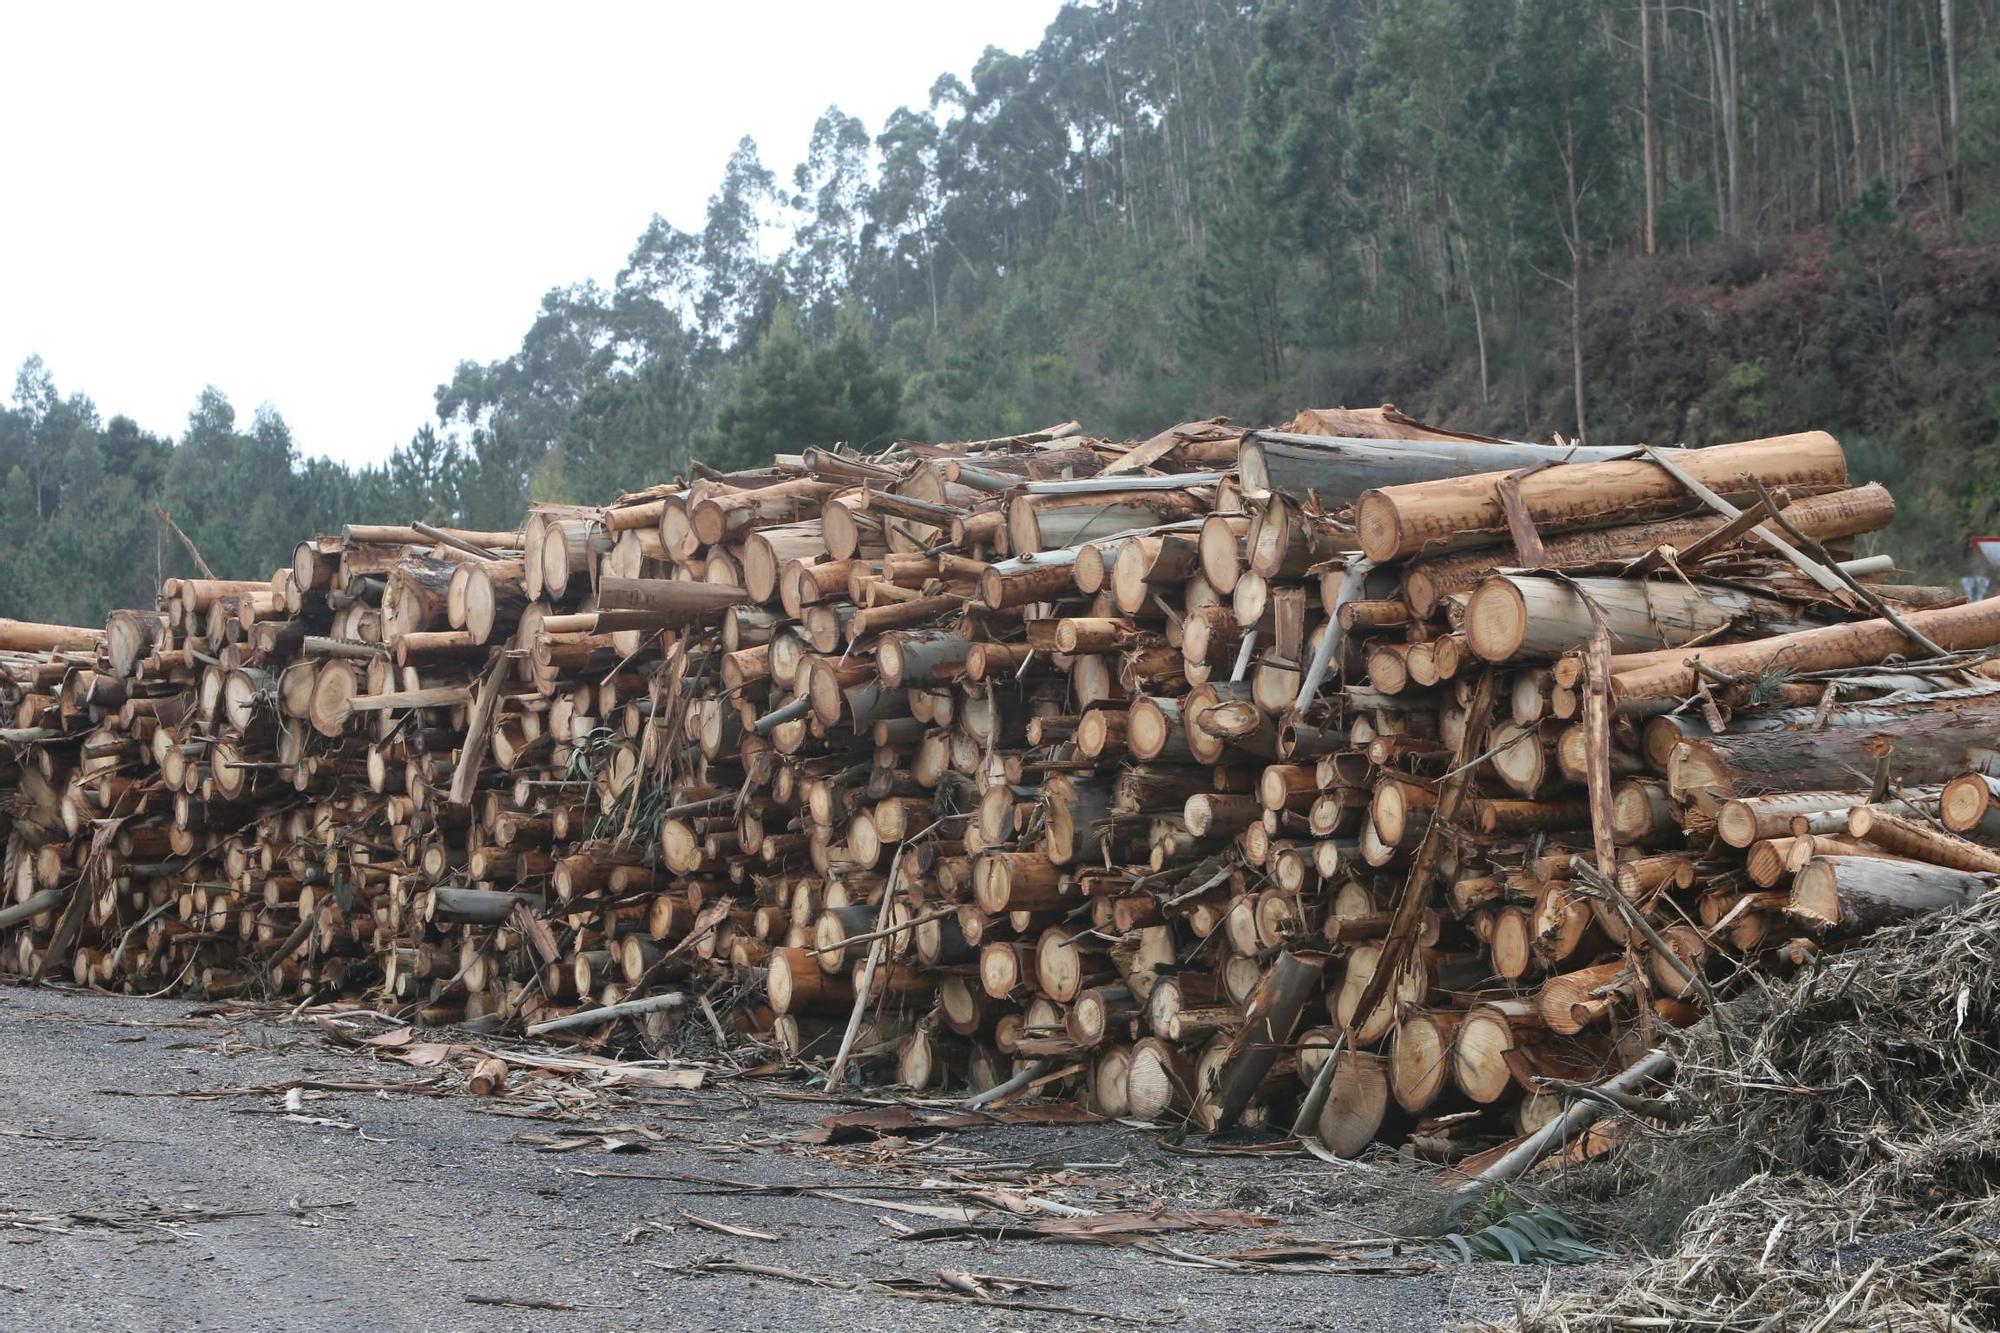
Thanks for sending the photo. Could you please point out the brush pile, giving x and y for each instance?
(1428, 772)
(1846, 1140)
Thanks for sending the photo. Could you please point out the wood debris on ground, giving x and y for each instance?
(1386, 786)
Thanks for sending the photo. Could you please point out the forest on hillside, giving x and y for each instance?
(1659, 220)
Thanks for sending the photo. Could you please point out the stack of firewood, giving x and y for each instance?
(1361, 778)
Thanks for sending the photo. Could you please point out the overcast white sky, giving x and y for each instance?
(327, 207)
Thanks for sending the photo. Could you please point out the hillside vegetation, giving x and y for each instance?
(1636, 221)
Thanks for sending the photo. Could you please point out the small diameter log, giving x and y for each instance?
(25, 636)
(1898, 833)
(1853, 895)
(1746, 820)
(649, 1004)
(1041, 523)
(669, 597)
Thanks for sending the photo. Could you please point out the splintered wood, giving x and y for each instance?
(1155, 775)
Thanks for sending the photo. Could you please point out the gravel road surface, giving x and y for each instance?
(413, 1210)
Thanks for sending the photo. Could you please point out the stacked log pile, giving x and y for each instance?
(1376, 784)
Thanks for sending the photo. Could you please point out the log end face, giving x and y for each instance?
(1496, 620)
(1377, 526)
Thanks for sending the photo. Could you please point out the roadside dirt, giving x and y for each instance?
(125, 1202)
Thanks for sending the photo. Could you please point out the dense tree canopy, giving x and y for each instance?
(1635, 220)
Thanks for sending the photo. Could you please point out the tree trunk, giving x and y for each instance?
(1649, 151)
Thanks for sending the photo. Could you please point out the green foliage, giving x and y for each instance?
(1538, 1235)
(790, 396)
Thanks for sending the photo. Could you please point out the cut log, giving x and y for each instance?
(1518, 617)
(1967, 628)
(1399, 521)
(1851, 895)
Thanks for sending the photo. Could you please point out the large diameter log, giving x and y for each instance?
(492, 596)
(1519, 617)
(130, 637)
(1926, 741)
(722, 516)
(1358, 1107)
(795, 983)
(418, 596)
(1667, 675)
(1340, 470)
(1483, 1041)
(1824, 518)
(1420, 1063)
(1852, 895)
(1399, 521)
(767, 552)
(1268, 1021)
(1074, 807)
(1159, 1080)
